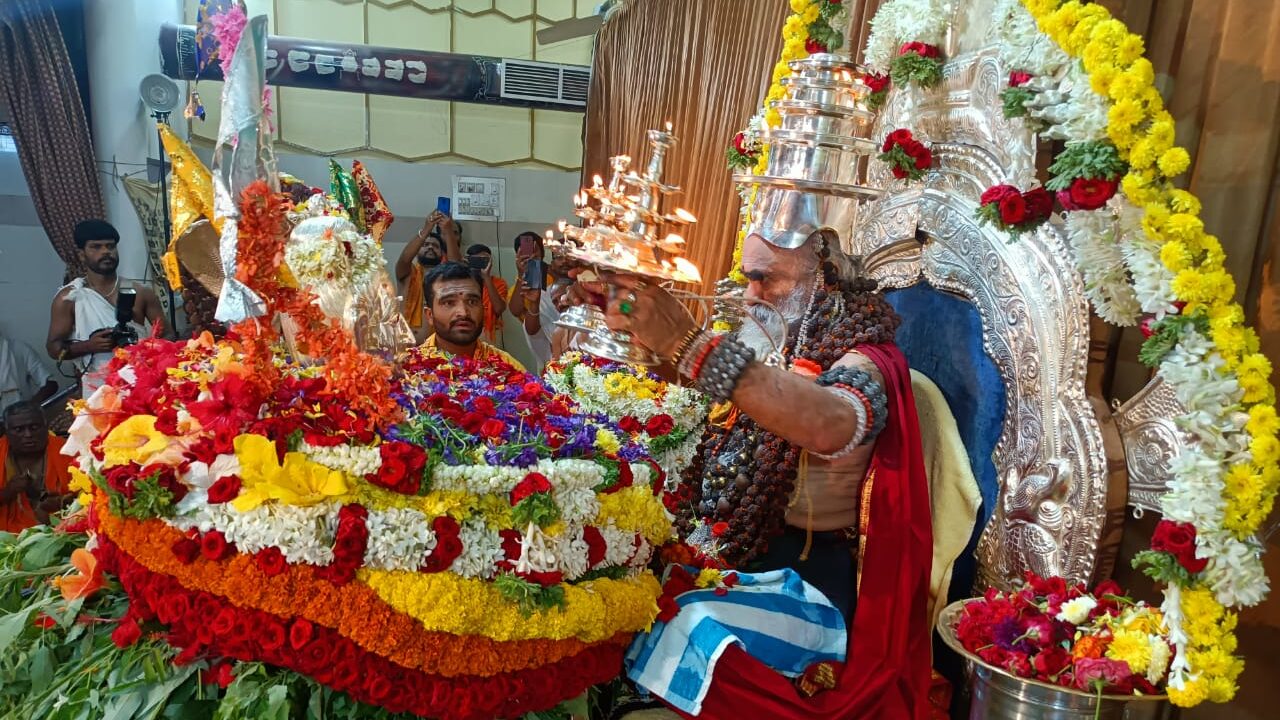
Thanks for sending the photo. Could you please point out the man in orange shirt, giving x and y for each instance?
(480, 258)
(438, 240)
(455, 311)
(35, 479)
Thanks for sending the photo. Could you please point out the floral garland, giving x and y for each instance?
(1105, 104)
(904, 40)
(907, 157)
(205, 624)
(666, 418)
(353, 609)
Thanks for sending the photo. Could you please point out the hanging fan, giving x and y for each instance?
(579, 27)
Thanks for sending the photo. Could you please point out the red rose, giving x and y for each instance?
(1013, 210)
(224, 489)
(814, 47)
(719, 529)
(630, 424)
(127, 633)
(492, 428)
(532, 483)
(996, 193)
(1018, 78)
(445, 525)
(187, 550)
(271, 561)
(378, 688)
(659, 425)
(1148, 326)
(271, 635)
(214, 545)
(1091, 193)
(173, 607)
(596, 545)
(900, 136)
(300, 633)
(1178, 539)
(667, 608)
(221, 675)
(875, 82)
(740, 143)
(911, 47)
(512, 547)
(921, 154)
(317, 655)
(1039, 204)
(224, 622)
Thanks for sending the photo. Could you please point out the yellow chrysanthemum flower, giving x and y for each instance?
(1265, 449)
(1183, 202)
(1133, 648)
(635, 509)
(1174, 162)
(799, 6)
(1263, 421)
(1129, 50)
(1253, 374)
(607, 442)
(1142, 155)
(1192, 693)
(1185, 227)
(1221, 690)
(1138, 189)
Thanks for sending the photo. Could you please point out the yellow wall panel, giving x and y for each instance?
(408, 27)
(321, 121)
(323, 20)
(492, 35)
(557, 137)
(409, 128)
(491, 134)
(514, 8)
(558, 9)
(473, 6)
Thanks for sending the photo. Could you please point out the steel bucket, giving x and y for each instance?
(997, 695)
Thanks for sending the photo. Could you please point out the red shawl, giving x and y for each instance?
(887, 674)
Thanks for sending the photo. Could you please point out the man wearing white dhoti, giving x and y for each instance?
(83, 316)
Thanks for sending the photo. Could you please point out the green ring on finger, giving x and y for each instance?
(625, 307)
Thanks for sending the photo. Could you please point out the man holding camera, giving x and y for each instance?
(438, 240)
(95, 314)
(480, 258)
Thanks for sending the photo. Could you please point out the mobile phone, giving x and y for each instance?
(478, 262)
(535, 275)
(442, 205)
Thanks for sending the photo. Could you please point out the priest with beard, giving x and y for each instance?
(812, 471)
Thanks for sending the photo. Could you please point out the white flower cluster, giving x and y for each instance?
(481, 551)
(1211, 397)
(399, 539)
(902, 21)
(303, 534)
(1022, 45)
(357, 460)
(1095, 242)
(565, 475)
(1152, 281)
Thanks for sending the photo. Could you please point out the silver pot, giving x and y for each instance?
(997, 695)
(836, 159)
(824, 119)
(846, 94)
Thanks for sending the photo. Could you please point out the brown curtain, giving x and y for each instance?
(49, 125)
(703, 66)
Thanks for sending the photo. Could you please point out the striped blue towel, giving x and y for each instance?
(774, 616)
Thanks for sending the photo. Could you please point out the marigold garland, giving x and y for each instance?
(1143, 133)
(354, 609)
(204, 624)
(592, 610)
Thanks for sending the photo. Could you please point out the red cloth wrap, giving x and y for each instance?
(888, 670)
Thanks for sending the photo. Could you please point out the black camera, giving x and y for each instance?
(123, 334)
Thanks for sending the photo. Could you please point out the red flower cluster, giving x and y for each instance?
(350, 541)
(224, 489)
(1018, 78)
(1022, 633)
(1087, 193)
(401, 469)
(1013, 210)
(875, 82)
(448, 545)
(678, 582)
(659, 425)
(1179, 540)
(924, 50)
(532, 484)
(204, 625)
(813, 47)
(908, 158)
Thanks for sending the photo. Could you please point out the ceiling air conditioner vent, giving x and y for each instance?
(545, 82)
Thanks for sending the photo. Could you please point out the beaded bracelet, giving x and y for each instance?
(686, 357)
(700, 358)
(719, 374)
(871, 393)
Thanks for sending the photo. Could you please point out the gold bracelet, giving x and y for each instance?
(685, 344)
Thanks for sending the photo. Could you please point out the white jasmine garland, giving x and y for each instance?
(620, 545)
(1094, 242)
(357, 460)
(568, 474)
(1152, 281)
(901, 21)
(573, 552)
(303, 534)
(399, 539)
(1022, 46)
(481, 551)
(577, 505)
(1179, 667)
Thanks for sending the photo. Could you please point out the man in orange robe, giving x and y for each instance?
(35, 475)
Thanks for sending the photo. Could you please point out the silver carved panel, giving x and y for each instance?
(1051, 506)
(1151, 441)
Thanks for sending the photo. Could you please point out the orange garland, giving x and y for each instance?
(353, 609)
(362, 381)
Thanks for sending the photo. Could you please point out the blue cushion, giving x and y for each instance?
(941, 335)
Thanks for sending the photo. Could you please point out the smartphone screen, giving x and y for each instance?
(535, 275)
(442, 204)
(478, 262)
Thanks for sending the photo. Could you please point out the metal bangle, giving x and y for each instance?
(854, 398)
(862, 382)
